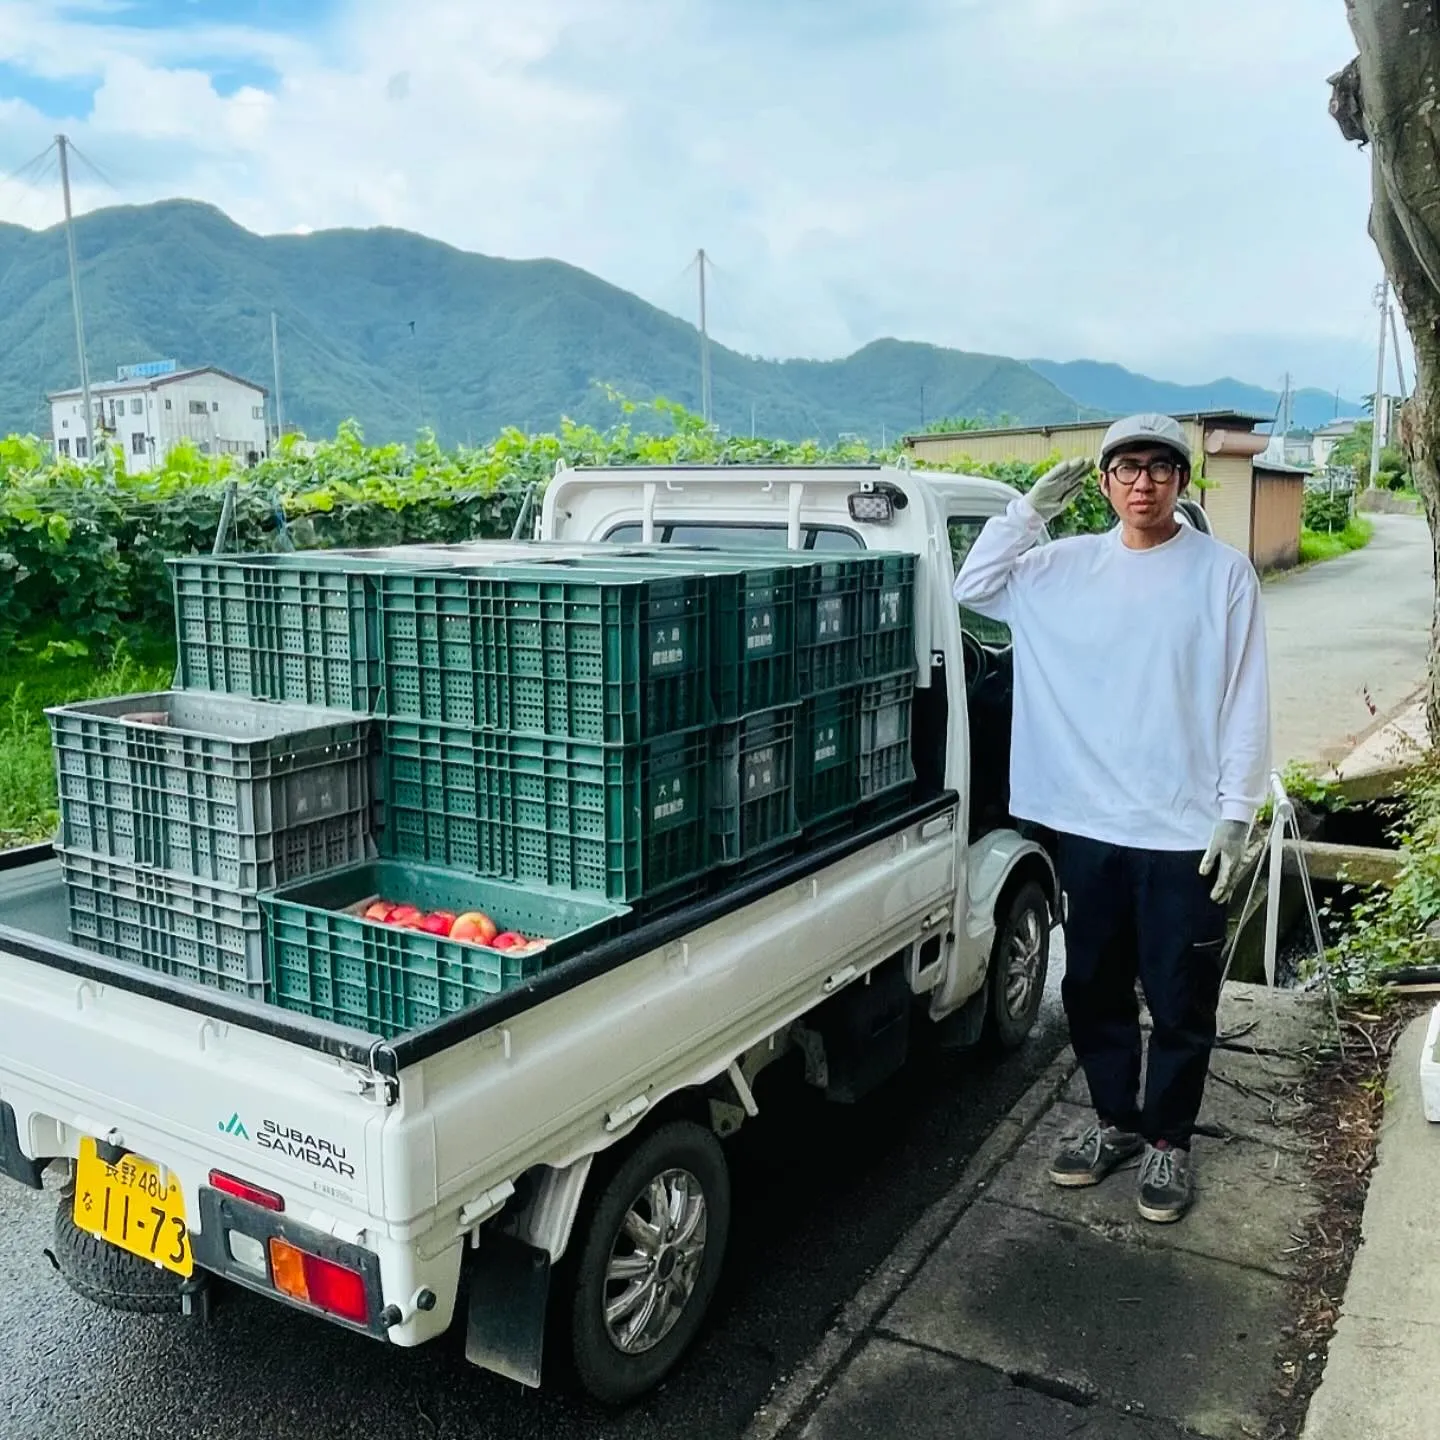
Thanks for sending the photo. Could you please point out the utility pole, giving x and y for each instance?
(63, 144)
(704, 343)
(1399, 361)
(275, 360)
(922, 405)
(1378, 411)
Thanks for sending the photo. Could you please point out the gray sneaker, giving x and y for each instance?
(1087, 1158)
(1167, 1185)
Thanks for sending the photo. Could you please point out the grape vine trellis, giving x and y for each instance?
(84, 546)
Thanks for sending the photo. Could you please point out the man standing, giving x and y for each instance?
(1141, 736)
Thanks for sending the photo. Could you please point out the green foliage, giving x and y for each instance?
(959, 424)
(494, 342)
(1304, 783)
(52, 670)
(1324, 511)
(1353, 452)
(1390, 927)
(1090, 514)
(1318, 545)
(86, 545)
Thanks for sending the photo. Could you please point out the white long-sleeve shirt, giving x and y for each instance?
(1142, 701)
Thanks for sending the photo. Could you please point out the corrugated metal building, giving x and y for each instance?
(1248, 508)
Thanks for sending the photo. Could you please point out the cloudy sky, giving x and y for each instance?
(1154, 182)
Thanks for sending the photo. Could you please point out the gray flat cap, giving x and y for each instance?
(1144, 430)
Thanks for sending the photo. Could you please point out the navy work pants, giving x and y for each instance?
(1145, 913)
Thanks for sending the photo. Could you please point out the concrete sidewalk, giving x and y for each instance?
(1020, 1310)
(1382, 1376)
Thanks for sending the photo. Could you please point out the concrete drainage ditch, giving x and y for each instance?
(1347, 850)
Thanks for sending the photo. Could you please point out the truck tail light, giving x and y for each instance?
(244, 1190)
(327, 1286)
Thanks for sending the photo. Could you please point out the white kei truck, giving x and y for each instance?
(551, 1162)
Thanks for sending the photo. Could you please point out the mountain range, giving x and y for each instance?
(399, 330)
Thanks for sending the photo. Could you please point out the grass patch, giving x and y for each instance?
(52, 671)
(1318, 545)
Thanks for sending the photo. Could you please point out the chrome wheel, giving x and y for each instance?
(655, 1261)
(1024, 963)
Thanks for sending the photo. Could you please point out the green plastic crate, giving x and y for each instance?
(886, 760)
(546, 650)
(279, 627)
(887, 626)
(338, 966)
(829, 596)
(752, 619)
(627, 822)
(237, 792)
(752, 785)
(827, 756)
(206, 934)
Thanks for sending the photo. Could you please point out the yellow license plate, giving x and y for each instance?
(129, 1205)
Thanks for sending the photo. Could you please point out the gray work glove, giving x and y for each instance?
(1226, 850)
(1055, 491)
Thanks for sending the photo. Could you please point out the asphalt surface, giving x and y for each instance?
(821, 1194)
(1349, 640)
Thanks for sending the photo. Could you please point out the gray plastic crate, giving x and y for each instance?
(237, 792)
(207, 934)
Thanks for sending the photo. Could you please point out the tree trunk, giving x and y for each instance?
(1393, 97)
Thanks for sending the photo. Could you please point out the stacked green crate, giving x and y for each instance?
(296, 629)
(753, 687)
(549, 723)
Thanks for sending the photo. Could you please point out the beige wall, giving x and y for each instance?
(1226, 498)
(991, 447)
(988, 447)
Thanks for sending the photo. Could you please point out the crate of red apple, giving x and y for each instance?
(474, 927)
(388, 946)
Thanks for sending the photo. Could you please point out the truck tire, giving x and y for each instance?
(1019, 964)
(98, 1271)
(641, 1292)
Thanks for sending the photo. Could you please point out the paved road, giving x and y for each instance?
(822, 1194)
(1348, 640)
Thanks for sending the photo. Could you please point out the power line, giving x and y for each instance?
(92, 167)
(19, 175)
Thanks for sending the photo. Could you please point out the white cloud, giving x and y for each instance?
(1157, 185)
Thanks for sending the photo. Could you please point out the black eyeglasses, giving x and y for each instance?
(1128, 472)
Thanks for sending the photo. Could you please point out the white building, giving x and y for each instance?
(1326, 438)
(150, 409)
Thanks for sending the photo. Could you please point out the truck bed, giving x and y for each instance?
(34, 927)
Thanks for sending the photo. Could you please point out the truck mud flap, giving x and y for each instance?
(13, 1161)
(509, 1295)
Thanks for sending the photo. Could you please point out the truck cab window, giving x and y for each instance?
(963, 534)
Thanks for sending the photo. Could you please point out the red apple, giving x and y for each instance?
(474, 927)
(405, 916)
(507, 940)
(438, 922)
(379, 911)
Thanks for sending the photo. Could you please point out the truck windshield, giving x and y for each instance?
(762, 537)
